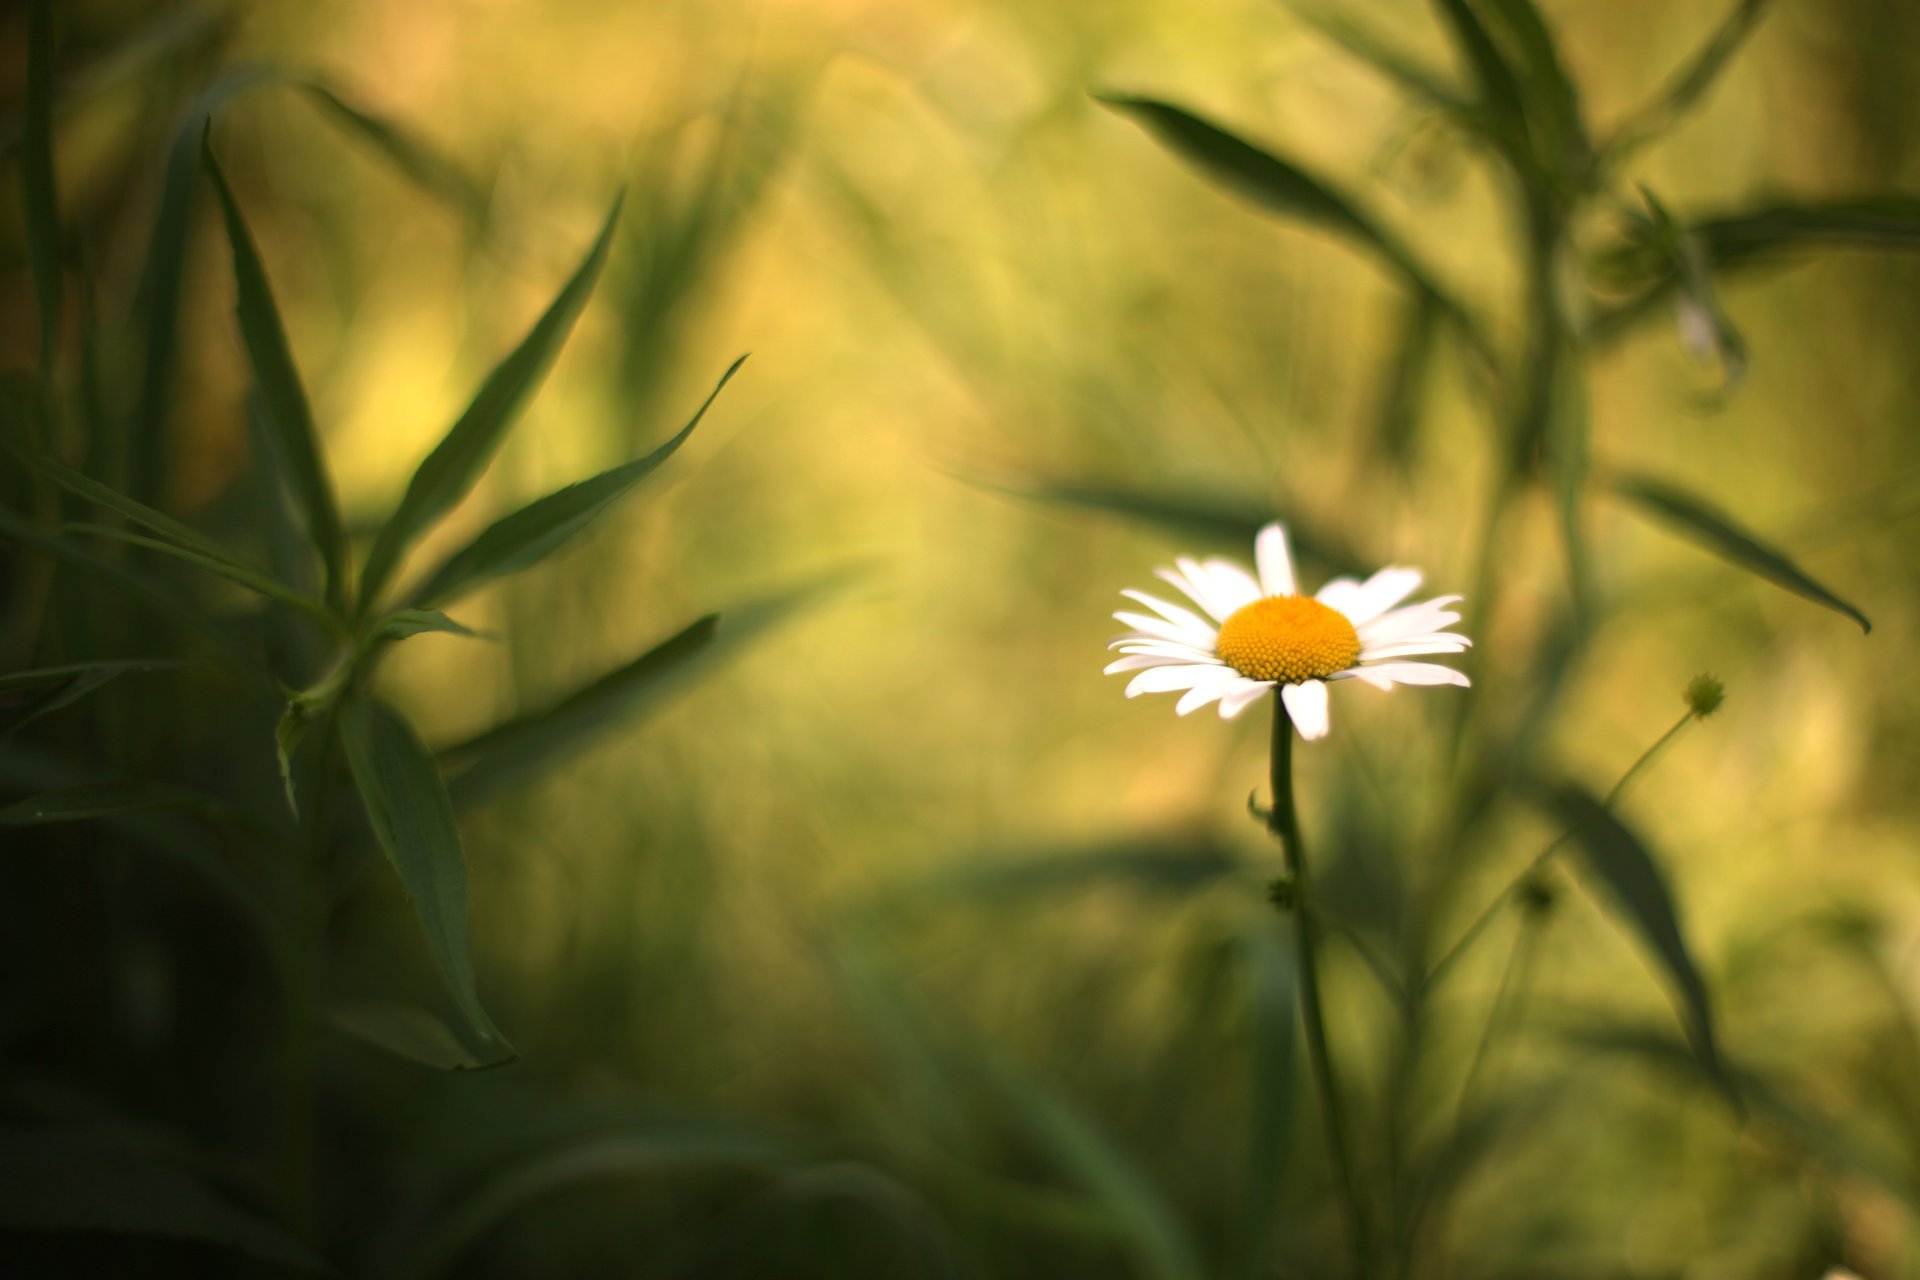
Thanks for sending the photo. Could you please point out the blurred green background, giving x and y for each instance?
(901, 943)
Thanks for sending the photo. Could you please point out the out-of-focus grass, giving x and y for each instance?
(960, 277)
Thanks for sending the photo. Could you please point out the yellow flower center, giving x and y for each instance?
(1288, 639)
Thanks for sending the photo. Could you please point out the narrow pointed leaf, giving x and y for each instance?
(101, 1181)
(408, 1032)
(1689, 85)
(1553, 101)
(530, 534)
(1639, 891)
(457, 461)
(133, 509)
(1498, 85)
(220, 566)
(527, 745)
(1382, 57)
(1719, 534)
(416, 160)
(37, 188)
(402, 623)
(283, 401)
(407, 805)
(98, 800)
(45, 689)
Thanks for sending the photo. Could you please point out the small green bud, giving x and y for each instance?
(1535, 895)
(1283, 893)
(1704, 695)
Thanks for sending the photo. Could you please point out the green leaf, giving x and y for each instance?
(417, 161)
(407, 805)
(1382, 57)
(221, 565)
(1274, 184)
(1403, 381)
(408, 1032)
(1227, 520)
(456, 462)
(38, 191)
(1553, 101)
(1619, 860)
(138, 512)
(1683, 92)
(284, 409)
(91, 1181)
(1272, 1021)
(62, 686)
(1497, 84)
(402, 623)
(1719, 534)
(98, 800)
(534, 532)
(513, 752)
(1177, 864)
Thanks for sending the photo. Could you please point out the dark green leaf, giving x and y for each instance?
(402, 623)
(527, 745)
(51, 688)
(1719, 534)
(221, 565)
(407, 806)
(1553, 102)
(98, 800)
(138, 512)
(37, 189)
(1685, 89)
(283, 401)
(536, 530)
(1225, 520)
(72, 1181)
(456, 462)
(419, 162)
(1620, 861)
(406, 1031)
(1272, 183)
(1496, 81)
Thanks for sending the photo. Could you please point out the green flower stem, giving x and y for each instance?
(1540, 860)
(1284, 822)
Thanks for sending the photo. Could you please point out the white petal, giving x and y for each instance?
(1167, 679)
(1165, 648)
(1171, 612)
(1307, 708)
(1201, 694)
(1336, 592)
(1166, 630)
(1242, 696)
(1376, 595)
(1193, 588)
(1413, 620)
(1232, 585)
(1275, 561)
(1415, 647)
(1137, 661)
(1382, 675)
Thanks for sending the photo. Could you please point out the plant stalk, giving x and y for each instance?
(1284, 822)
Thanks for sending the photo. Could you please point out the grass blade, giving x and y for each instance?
(283, 401)
(534, 532)
(418, 162)
(1553, 100)
(51, 688)
(38, 191)
(221, 566)
(412, 818)
(1618, 858)
(1719, 534)
(98, 800)
(406, 1031)
(1409, 75)
(1684, 91)
(521, 748)
(456, 462)
(402, 623)
(1496, 82)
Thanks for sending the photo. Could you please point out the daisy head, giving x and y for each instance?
(1259, 633)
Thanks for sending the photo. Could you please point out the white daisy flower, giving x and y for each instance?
(1259, 633)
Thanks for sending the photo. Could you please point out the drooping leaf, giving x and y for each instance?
(220, 565)
(407, 805)
(457, 461)
(527, 745)
(1689, 85)
(51, 688)
(1276, 185)
(1639, 890)
(98, 1181)
(38, 192)
(1227, 520)
(1719, 534)
(283, 401)
(416, 160)
(98, 800)
(406, 1031)
(530, 534)
(402, 623)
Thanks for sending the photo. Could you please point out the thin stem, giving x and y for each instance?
(303, 950)
(1487, 913)
(1285, 823)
